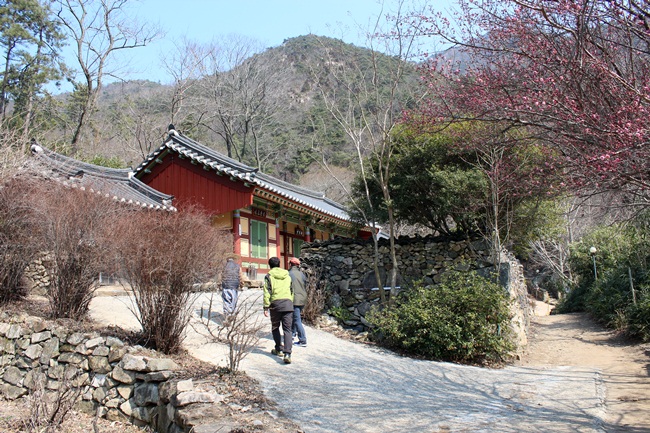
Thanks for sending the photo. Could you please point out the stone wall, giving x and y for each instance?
(347, 267)
(113, 380)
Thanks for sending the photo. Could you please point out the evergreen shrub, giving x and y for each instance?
(617, 293)
(464, 319)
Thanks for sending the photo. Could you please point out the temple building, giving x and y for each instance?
(267, 216)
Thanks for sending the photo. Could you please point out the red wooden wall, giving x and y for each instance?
(191, 184)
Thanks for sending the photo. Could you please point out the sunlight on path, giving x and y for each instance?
(335, 385)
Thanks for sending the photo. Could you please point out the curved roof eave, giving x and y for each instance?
(207, 157)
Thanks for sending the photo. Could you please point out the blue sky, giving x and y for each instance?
(268, 21)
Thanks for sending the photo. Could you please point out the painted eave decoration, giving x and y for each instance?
(266, 186)
(119, 184)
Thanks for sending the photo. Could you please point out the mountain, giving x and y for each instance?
(272, 110)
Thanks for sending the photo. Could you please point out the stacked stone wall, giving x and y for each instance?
(110, 377)
(346, 267)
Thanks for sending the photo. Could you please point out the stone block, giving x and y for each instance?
(13, 376)
(114, 342)
(122, 376)
(164, 417)
(114, 403)
(143, 414)
(23, 343)
(160, 364)
(99, 394)
(53, 385)
(98, 380)
(125, 391)
(116, 415)
(75, 338)
(94, 342)
(80, 380)
(156, 376)
(101, 351)
(60, 333)
(127, 407)
(166, 390)
(198, 414)
(13, 332)
(133, 363)
(66, 348)
(34, 351)
(116, 353)
(99, 364)
(146, 394)
(11, 392)
(41, 336)
(71, 358)
(191, 397)
(25, 363)
(184, 385)
(7, 346)
(50, 350)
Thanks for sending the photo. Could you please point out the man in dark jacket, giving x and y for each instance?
(299, 288)
(278, 299)
(230, 282)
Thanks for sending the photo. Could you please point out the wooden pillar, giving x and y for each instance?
(307, 234)
(236, 231)
(285, 240)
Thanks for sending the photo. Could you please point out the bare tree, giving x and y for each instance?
(365, 96)
(99, 30)
(185, 66)
(237, 89)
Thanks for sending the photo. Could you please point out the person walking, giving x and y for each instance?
(278, 300)
(230, 283)
(299, 289)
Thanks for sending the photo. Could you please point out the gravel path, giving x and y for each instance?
(335, 385)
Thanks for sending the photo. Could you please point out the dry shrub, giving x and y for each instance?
(315, 297)
(49, 408)
(18, 245)
(240, 330)
(75, 229)
(163, 256)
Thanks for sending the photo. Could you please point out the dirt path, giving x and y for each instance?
(574, 378)
(574, 340)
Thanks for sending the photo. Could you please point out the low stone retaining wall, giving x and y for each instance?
(347, 268)
(112, 380)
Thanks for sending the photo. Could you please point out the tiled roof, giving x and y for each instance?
(118, 184)
(211, 159)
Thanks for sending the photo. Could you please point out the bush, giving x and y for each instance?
(464, 319)
(638, 316)
(163, 256)
(17, 243)
(74, 228)
(315, 297)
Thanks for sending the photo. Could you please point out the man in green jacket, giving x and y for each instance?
(278, 299)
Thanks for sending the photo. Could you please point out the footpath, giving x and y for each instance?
(335, 385)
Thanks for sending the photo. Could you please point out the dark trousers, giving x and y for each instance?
(284, 319)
